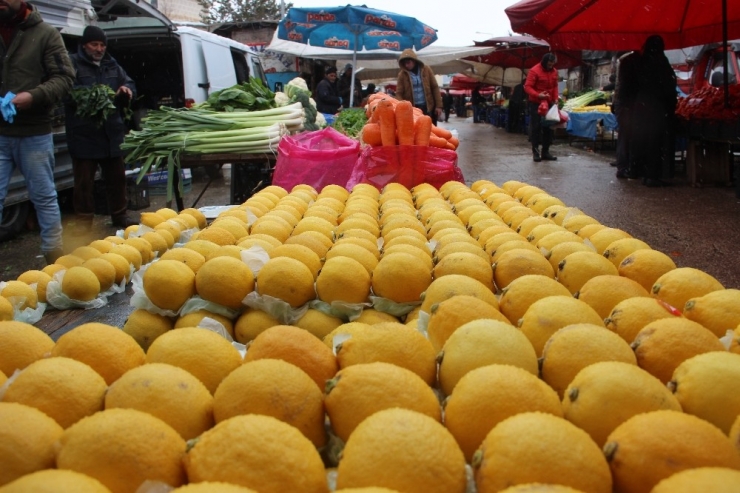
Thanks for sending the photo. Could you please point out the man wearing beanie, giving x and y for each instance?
(91, 144)
(36, 73)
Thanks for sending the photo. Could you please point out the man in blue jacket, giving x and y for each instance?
(91, 144)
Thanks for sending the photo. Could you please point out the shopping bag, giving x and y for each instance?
(407, 165)
(553, 114)
(319, 158)
(543, 107)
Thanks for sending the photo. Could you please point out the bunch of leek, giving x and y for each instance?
(583, 100)
(167, 132)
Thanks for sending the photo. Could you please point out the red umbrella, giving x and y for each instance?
(522, 52)
(625, 24)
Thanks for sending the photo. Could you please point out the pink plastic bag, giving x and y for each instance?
(318, 158)
(408, 165)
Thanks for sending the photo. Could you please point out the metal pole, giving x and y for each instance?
(726, 75)
(282, 8)
(354, 68)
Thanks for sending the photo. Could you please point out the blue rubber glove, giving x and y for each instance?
(7, 108)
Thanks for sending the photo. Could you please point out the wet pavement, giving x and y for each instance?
(697, 227)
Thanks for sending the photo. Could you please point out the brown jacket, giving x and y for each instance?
(404, 91)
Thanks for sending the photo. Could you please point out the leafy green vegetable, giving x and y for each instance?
(350, 122)
(94, 102)
(251, 95)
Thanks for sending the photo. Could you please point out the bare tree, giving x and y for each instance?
(240, 10)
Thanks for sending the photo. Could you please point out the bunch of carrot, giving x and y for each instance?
(391, 122)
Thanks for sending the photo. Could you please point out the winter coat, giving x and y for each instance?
(538, 80)
(37, 62)
(85, 139)
(404, 89)
(327, 97)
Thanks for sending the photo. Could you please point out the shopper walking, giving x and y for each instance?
(36, 75)
(92, 143)
(541, 86)
(416, 83)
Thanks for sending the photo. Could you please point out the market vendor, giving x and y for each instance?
(92, 142)
(327, 93)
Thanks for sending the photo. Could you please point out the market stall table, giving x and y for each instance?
(249, 173)
(709, 155)
(583, 125)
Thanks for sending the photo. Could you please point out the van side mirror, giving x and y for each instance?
(278, 87)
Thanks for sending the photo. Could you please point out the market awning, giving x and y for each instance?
(379, 64)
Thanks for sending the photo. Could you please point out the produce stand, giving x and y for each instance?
(249, 173)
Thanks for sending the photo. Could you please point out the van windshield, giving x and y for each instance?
(716, 69)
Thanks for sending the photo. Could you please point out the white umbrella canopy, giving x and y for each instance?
(494, 75)
(388, 69)
(383, 64)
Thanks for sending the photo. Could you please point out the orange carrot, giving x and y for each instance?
(435, 141)
(371, 134)
(423, 131)
(441, 132)
(454, 141)
(387, 120)
(405, 123)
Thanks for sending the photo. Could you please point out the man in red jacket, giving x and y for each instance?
(541, 85)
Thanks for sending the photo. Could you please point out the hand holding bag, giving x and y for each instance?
(553, 114)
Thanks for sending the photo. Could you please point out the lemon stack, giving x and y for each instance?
(539, 350)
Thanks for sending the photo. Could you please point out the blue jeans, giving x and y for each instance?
(34, 156)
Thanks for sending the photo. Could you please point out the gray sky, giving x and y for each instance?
(458, 22)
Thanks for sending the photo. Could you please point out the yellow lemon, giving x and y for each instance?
(678, 286)
(145, 326)
(629, 316)
(80, 284)
(225, 281)
(287, 279)
(525, 290)
(343, 279)
(577, 346)
(603, 293)
(718, 311)
(605, 394)
(646, 266)
(169, 284)
(450, 314)
(400, 277)
(578, 267)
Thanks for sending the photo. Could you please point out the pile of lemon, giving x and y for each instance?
(540, 351)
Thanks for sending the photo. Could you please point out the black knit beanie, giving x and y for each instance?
(93, 33)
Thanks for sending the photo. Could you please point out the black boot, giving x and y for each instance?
(536, 155)
(547, 156)
(53, 255)
(123, 221)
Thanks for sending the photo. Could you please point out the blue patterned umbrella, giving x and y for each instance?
(354, 28)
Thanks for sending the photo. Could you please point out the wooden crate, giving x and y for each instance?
(708, 163)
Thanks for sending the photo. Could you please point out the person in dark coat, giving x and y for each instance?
(345, 87)
(91, 144)
(515, 120)
(625, 94)
(327, 93)
(447, 104)
(655, 108)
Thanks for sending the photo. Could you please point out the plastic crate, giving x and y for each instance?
(137, 194)
(158, 181)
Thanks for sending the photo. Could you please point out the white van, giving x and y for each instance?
(171, 65)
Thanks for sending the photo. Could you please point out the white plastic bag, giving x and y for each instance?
(553, 114)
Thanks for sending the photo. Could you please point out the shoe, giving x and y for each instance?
(124, 221)
(613, 163)
(546, 156)
(622, 173)
(53, 255)
(536, 156)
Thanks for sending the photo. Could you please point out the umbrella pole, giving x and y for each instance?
(726, 75)
(354, 71)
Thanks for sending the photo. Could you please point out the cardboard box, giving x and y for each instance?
(708, 163)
